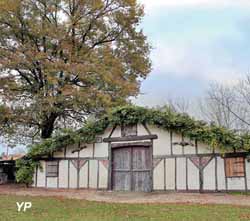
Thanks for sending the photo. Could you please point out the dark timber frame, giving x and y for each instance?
(147, 140)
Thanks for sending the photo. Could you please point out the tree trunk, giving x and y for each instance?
(48, 126)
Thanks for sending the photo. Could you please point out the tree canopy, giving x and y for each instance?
(61, 60)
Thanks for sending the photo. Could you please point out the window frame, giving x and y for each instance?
(231, 173)
(52, 163)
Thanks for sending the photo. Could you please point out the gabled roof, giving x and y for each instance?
(11, 157)
(214, 136)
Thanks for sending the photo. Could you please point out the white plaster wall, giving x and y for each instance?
(220, 174)
(181, 173)
(106, 133)
(86, 152)
(117, 132)
(162, 144)
(204, 148)
(177, 149)
(69, 150)
(51, 182)
(83, 176)
(101, 150)
(236, 183)
(209, 176)
(72, 176)
(63, 174)
(158, 176)
(103, 176)
(141, 130)
(93, 173)
(190, 149)
(170, 174)
(41, 175)
(193, 176)
(248, 174)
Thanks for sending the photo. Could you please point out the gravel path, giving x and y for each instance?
(129, 197)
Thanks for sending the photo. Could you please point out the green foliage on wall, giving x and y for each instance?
(216, 137)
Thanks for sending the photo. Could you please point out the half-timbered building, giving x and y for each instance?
(144, 157)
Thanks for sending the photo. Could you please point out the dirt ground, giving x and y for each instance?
(129, 197)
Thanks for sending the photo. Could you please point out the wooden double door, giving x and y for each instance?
(132, 169)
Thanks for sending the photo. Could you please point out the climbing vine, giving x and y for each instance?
(216, 137)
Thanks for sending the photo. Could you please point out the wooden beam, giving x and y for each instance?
(109, 167)
(112, 131)
(196, 146)
(146, 128)
(152, 164)
(88, 174)
(68, 172)
(186, 162)
(216, 173)
(175, 173)
(200, 176)
(226, 184)
(36, 174)
(245, 177)
(134, 144)
(242, 154)
(58, 173)
(65, 151)
(130, 138)
(164, 171)
(98, 174)
(171, 142)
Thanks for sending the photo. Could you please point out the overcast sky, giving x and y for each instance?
(195, 43)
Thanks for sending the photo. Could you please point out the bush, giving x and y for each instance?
(25, 171)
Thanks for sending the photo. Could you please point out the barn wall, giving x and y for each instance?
(221, 174)
(158, 178)
(209, 176)
(103, 176)
(170, 174)
(88, 151)
(41, 175)
(93, 164)
(193, 176)
(247, 174)
(174, 165)
(83, 176)
(63, 174)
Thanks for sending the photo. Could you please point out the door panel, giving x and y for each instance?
(122, 159)
(131, 169)
(121, 181)
(141, 158)
(141, 181)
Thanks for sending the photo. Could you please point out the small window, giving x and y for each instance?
(235, 167)
(129, 130)
(52, 168)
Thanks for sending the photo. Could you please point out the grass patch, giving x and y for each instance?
(240, 193)
(48, 208)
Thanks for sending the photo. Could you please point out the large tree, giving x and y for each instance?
(61, 60)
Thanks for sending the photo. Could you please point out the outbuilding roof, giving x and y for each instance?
(215, 136)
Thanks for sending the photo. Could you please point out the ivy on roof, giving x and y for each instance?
(215, 136)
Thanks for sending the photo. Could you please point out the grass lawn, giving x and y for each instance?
(46, 209)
